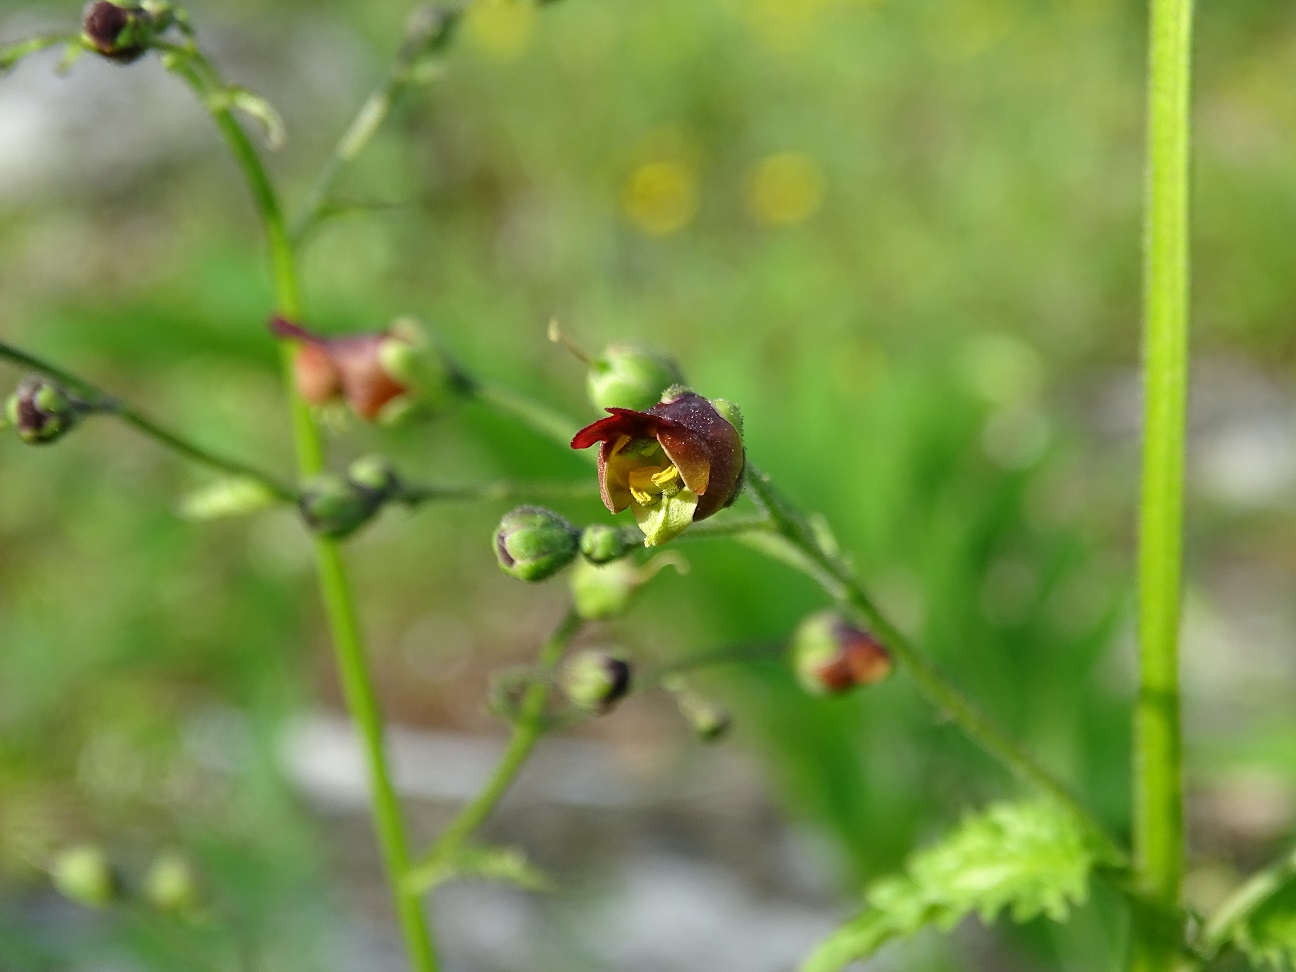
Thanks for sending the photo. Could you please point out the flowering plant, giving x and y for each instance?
(679, 462)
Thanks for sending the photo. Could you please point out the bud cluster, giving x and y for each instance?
(336, 506)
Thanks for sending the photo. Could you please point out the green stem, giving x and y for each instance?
(357, 683)
(539, 418)
(414, 494)
(99, 401)
(1158, 762)
(428, 32)
(526, 733)
(795, 542)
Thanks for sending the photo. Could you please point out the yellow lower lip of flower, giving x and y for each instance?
(667, 517)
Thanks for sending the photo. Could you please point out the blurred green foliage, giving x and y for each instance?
(904, 236)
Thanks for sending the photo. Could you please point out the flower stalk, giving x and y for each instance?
(335, 586)
(1158, 757)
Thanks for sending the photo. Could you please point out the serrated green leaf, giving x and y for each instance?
(505, 864)
(235, 496)
(1031, 858)
(1268, 935)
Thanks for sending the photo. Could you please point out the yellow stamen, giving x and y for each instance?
(648, 483)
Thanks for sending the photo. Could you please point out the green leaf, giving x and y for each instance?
(233, 496)
(1267, 936)
(1030, 858)
(505, 864)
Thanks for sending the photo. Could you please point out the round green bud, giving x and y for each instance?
(708, 720)
(41, 411)
(533, 544)
(630, 376)
(84, 875)
(602, 544)
(374, 473)
(171, 885)
(832, 656)
(602, 591)
(336, 507)
(595, 681)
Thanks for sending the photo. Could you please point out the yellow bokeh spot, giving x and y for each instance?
(785, 188)
(660, 197)
(501, 29)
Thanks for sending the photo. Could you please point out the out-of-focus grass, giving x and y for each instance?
(902, 235)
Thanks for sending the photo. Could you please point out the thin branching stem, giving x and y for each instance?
(527, 730)
(796, 543)
(339, 602)
(100, 402)
(428, 32)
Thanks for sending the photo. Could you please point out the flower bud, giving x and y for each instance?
(121, 32)
(375, 474)
(170, 884)
(602, 544)
(334, 506)
(708, 720)
(533, 543)
(832, 656)
(382, 375)
(595, 681)
(83, 874)
(604, 591)
(630, 376)
(41, 410)
(675, 464)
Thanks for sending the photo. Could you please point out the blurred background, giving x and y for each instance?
(904, 236)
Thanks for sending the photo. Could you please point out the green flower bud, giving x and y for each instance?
(602, 544)
(374, 473)
(630, 376)
(41, 410)
(595, 681)
(171, 885)
(84, 875)
(604, 591)
(832, 656)
(708, 720)
(336, 507)
(533, 543)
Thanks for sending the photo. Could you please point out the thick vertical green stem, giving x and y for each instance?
(1158, 762)
(357, 684)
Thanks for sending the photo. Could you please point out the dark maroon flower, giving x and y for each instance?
(679, 462)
